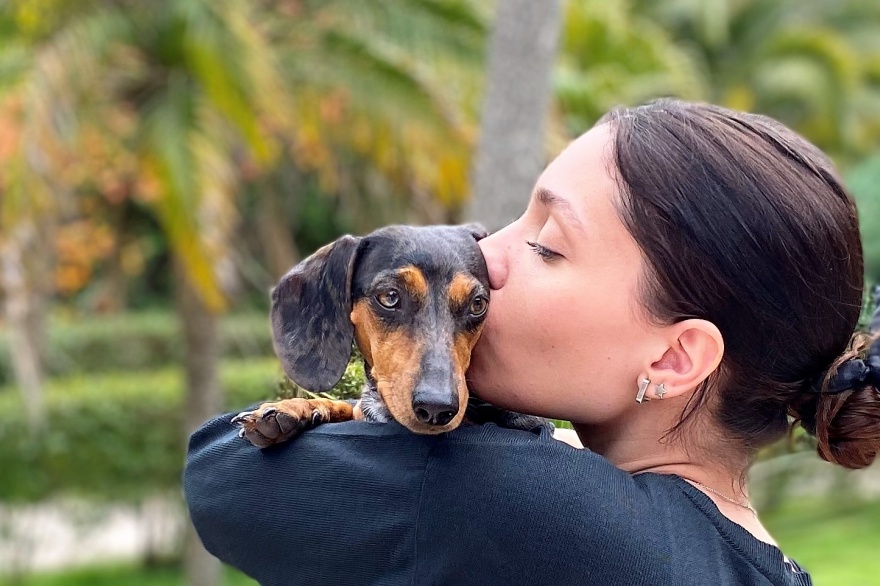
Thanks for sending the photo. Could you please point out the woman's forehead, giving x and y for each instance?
(580, 177)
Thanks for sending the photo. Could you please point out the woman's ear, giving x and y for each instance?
(693, 350)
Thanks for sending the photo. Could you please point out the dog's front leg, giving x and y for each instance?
(280, 421)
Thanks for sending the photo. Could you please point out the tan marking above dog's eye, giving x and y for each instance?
(478, 306)
(461, 288)
(389, 299)
(414, 281)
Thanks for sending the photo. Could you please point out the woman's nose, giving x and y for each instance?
(494, 249)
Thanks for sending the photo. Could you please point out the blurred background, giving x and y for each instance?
(162, 163)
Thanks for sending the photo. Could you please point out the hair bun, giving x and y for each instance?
(842, 408)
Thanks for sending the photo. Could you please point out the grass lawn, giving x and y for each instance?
(836, 542)
(125, 576)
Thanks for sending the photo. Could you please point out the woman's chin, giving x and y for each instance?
(486, 382)
(488, 377)
(480, 377)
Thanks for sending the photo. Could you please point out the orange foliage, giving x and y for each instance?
(80, 246)
(10, 131)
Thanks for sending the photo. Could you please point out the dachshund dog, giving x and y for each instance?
(413, 300)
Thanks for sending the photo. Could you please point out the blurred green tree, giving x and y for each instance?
(383, 114)
(180, 89)
(171, 104)
(614, 53)
(864, 181)
(812, 64)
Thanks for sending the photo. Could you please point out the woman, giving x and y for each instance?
(704, 262)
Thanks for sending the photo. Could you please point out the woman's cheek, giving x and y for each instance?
(490, 363)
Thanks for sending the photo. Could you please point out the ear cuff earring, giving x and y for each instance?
(643, 388)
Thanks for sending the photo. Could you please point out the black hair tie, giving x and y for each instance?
(857, 372)
(854, 373)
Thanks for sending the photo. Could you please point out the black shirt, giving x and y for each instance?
(364, 503)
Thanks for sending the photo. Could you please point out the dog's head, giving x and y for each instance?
(412, 299)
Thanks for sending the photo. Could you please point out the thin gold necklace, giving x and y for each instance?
(725, 497)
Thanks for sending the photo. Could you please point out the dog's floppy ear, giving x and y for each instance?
(311, 323)
(478, 231)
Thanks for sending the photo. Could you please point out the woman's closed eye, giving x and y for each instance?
(545, 253)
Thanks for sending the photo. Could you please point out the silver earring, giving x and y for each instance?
(643, 388)
(660, 391)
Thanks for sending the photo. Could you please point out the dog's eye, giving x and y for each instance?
(389, 299)
(478, 306)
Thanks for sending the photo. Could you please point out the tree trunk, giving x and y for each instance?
(203, 401)
(24, 315)
(510, 151)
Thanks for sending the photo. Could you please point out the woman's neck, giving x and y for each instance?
(641, 441)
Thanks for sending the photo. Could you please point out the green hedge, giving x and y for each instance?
(135, 341)
(118, 436)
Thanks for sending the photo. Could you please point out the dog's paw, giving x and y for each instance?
(480, 412)
(277, 422)
(514, 420)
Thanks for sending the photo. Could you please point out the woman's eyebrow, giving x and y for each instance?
(555, 202)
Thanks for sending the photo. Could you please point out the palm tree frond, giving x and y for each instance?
(213, 52)
(166, 154)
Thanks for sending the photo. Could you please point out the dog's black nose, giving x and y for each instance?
(435, 410)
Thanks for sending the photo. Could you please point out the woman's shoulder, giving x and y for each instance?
(529, 461)
(692, 522)
(478, 505)
(507, 453)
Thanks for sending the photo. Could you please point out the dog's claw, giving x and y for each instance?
(269, 424)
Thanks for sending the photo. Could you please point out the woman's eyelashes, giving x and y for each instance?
(544, 252)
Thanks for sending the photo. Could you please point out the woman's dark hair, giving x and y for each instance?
(746, 224)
